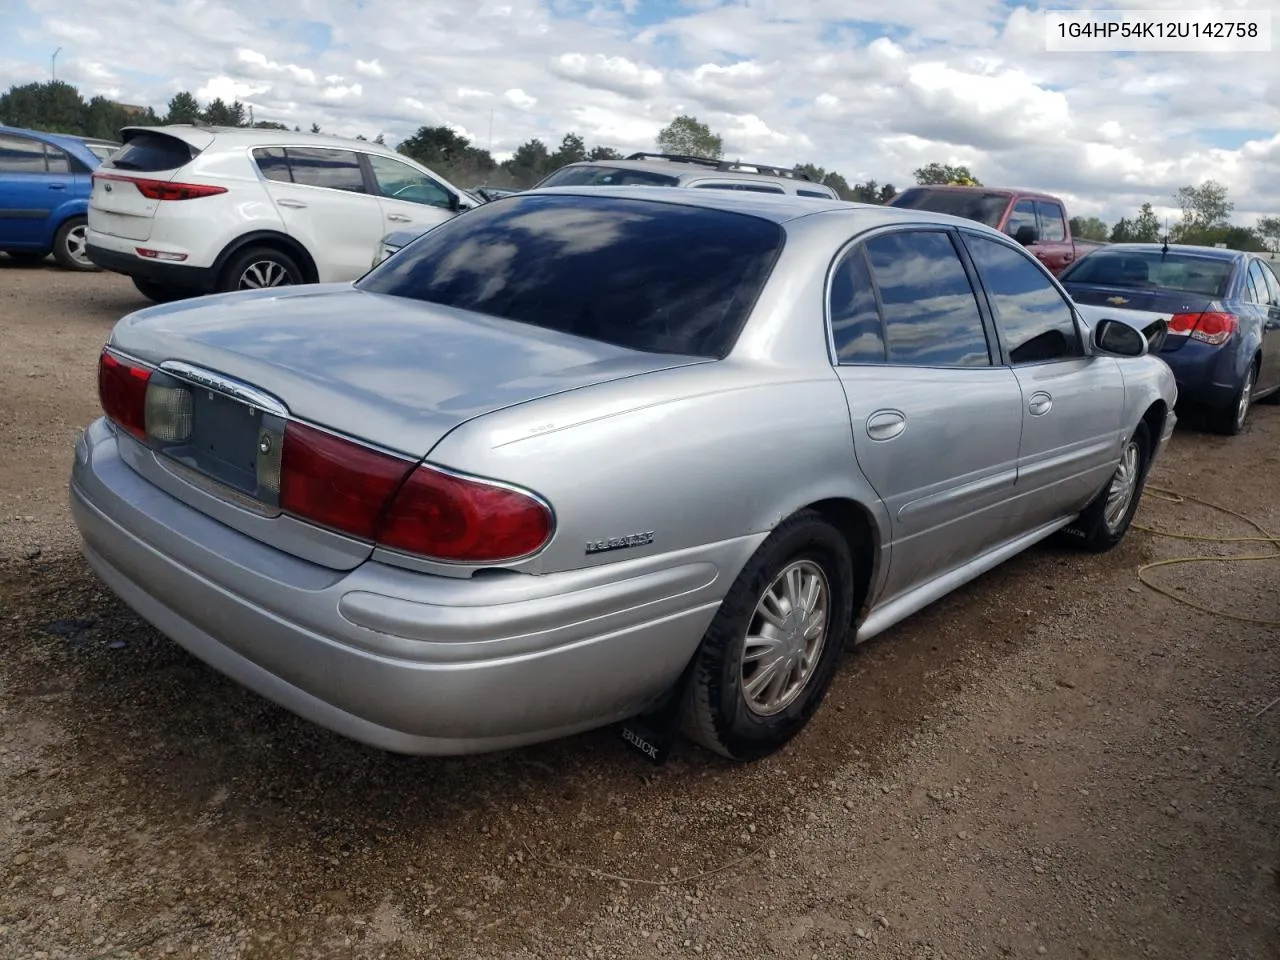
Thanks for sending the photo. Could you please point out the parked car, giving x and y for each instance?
(584, 442)
(1223, 312)
(658, 170)
(1038, 221)
(186, 210)
(44, 194)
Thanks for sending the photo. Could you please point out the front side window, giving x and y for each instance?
(21, 155)
(640, 274)
(1273, 283)
(1261, 294)
(1035, 321)
(399, 181)
(326, 167)
(930, 312)
(1053, 226)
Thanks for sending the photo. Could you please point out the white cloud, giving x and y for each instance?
(782, 81)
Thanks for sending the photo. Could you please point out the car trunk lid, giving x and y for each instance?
(1140, 307)
(117, 207)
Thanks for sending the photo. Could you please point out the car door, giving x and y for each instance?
(1267, 284)
(408, 197)
(935, 419)
(1053, 249)
(28, 193)
(1072, 401)
(322, 198)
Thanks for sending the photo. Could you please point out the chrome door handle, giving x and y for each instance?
(57, 186)
(886, 424)
(399, 217)
(295, 204)
(1040, 404)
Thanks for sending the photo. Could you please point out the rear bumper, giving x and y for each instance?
(402, 661)
(1206, 375)
(197, 279)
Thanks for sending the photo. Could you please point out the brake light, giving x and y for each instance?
(122, 391)
(457, 519)
(1183, 323)
(420, 510)
(164, 190)
(1215, 328)
(335, 482)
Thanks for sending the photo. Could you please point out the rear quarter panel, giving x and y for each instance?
(697, 456)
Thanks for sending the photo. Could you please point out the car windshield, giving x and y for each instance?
(1152, 270)
(596, 176)
(646, 275)
(985, 208)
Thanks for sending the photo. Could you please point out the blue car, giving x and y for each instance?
(1223, 313)
(45, 181)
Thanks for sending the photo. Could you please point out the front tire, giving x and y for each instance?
(1103, 524)
(768, 658)
(258, 268)
(71, 246)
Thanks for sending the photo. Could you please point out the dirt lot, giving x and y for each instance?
(1055, 761)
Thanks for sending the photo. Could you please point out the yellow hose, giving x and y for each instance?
(1170, 496)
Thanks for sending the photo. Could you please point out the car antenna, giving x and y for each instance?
(1164, 249)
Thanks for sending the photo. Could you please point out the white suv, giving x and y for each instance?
(186, 210)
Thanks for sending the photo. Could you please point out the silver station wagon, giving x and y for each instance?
(590, 455)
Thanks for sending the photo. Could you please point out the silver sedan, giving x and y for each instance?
(580, 454)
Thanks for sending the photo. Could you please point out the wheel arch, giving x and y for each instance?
(273, 239)
(857, 524)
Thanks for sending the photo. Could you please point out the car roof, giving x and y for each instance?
(999, 191)
(692, 167)
(780, 208)
(1211, 253)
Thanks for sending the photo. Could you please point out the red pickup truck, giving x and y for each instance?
(1038, 221)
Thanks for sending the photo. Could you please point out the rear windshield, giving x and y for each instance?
(1186, 273)
(983, 207)
(594, 176)
(651, 276)
(150, 152)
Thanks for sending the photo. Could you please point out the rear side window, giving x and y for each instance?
(58, 160)
(149, 152)
(855, 318)
(930, 312)
(21, 155)
(273, 163)
(813, 193)
(656, 277)
(1034, 319)
(1272, 282)
(1053, 228)
(323, 167)
(595, 176)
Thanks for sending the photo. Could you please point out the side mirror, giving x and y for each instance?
(1118, 338)
(1027, 236)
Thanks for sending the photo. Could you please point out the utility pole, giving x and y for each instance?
(53, 65)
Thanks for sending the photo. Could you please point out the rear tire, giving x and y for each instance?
(765, 663)
(1103, 524)
(1230, 420)
(258, 268)
(70, 246)
(162, 292)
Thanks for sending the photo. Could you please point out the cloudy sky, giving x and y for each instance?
(783, 81)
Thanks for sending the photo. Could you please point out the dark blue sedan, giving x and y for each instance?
(45, 181)
(1222, 308)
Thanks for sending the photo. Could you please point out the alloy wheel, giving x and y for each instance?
(1123, 485)
(263, 273)
(785, 638)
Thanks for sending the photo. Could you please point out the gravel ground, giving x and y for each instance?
(1054, 761)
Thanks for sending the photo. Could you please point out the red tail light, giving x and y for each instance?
(163, 190)
(122, 390)
(460, 520)
(1212, 327)
(419, 510)
(335, 482)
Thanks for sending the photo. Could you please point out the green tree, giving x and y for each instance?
(530, 162)
(436, 146)
(887, 193)
(1268, 230)
(315, 128)
(688, 136)
(1122, 232)
(572, 149)
(221, 114)
(183, 108)
(1204, 209)
(604, 153)
(1088, 228)
(55, 107)
(1146, 228)
(944, 173)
